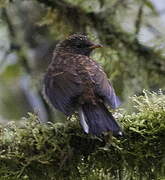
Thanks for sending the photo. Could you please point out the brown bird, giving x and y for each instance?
(75, 82)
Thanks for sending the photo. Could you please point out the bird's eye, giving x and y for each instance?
(80, 45)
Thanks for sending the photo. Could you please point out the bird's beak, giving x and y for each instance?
(94, 46)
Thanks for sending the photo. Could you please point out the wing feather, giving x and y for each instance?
(62, 90)
(104, 88)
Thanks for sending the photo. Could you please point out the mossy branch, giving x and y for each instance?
(63, 151)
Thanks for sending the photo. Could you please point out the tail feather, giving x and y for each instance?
(96, 119)
(83, 120)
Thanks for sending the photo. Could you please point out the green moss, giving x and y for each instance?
(63, 151)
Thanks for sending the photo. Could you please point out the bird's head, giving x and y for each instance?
(78, 44)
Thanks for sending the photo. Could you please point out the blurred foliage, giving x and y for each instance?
(63, 151)
(3, 3)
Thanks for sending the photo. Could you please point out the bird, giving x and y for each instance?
(74, 82)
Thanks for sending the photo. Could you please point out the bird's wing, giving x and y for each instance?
(62, 89)
(103, 86)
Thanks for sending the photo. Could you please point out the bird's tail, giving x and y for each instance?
(96, 119)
